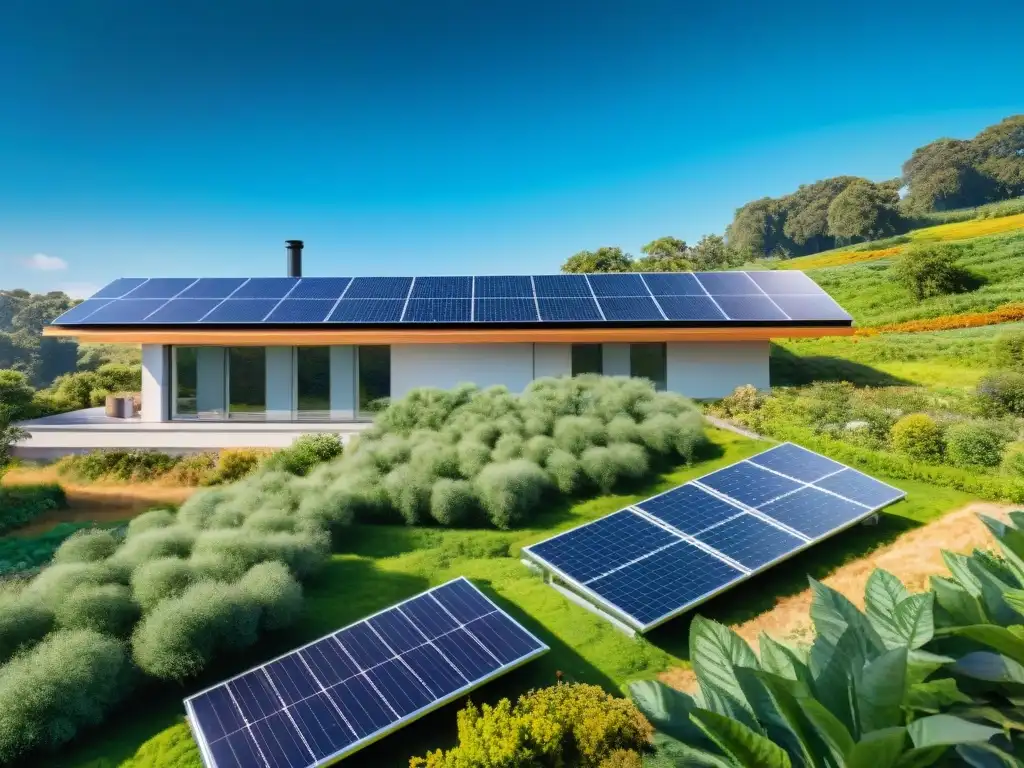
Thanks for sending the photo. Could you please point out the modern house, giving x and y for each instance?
(324, 349)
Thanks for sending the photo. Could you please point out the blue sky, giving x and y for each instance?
(455, 136)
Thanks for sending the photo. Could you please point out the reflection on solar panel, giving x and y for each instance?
(678, 298)
(663, 556)
(330, 698)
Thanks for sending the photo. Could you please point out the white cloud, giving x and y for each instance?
(45, 263)
(78, 290)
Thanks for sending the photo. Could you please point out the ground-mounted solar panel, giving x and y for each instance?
(667, 554)
(337, 694)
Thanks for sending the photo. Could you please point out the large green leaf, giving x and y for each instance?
(881, 691)
(803, 741)
(882, 594)
(668, 710)
(715, 651)
(828, 728)
(961, 606)
(779, 659)
(671, 753)
(935, 696)
(961, 572)
(992, 590)
(915, 619)
(835, 668)
(948, 729)
(832, 614)
(879, 749)
(987, 756)
(746, 747)
(1008, 721)
(920, 757)
(1015, 599)
(1012, 537)
(993, 667)
(998, 638)
(1017, 518)
(921, 664)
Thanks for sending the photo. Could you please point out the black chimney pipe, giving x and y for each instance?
(294, 257)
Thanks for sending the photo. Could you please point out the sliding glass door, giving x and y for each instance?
(313, 383)
(247, 382)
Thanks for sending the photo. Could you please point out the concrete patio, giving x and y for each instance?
(91, 429)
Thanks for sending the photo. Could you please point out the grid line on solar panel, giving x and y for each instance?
(265, 288)
(562, 286)
(320, 288)
(617, 285)
(629, 308)
(442, 288)
(568, 310)
(797, 463)
(119, 287)
(318, 700)
(673, 284)
(505, 310)
(379, 288)
(367, 311)
(690, 308)
(503, 287)
(438, 310)
(789, 281)
(80, 312)
(161, 288)
(728, 284)
(755, 308)
(801, 307)
(212, 288)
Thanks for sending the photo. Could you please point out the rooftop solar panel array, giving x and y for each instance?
(662, 556)
(341, 692)
(637, 298)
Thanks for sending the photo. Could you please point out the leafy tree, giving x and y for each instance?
(1001, 147)
(15, 394)
(666, 254)
(943, 175)
(757, 229)
(863, 210)
(932, 270)
(604, 259)
(807, 212)
(711, 252)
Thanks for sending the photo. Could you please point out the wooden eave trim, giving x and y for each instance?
(318, 337)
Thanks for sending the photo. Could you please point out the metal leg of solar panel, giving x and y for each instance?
(583, 602)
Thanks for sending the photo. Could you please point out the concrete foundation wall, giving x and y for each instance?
(706, 370)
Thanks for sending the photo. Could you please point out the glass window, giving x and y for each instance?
(586, 358)
(247, 381)
(648, 361)
(374, 364)
(186, 381)
(313, 378)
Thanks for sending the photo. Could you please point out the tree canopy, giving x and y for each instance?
(23, 316)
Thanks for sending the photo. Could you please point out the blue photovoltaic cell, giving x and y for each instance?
(789, 281)
(728, 284)
(212, 288)
(690, 308)
(81, 312)
(749, 308)
(161, 288)
(240, 311)
(568, 310)
(590, 550)
(119, 287)
(562, 286)
(618, 285)
(810, 307)
(504, 310)
(748, 484)
(750, 542)
(320, 288)
(442, 288)
(689, 509)
(629, 308)
(368, 311)
(859, 487)
(182, 311)
(657, 585)
(326, 699)
(126, 311)
(813, 512)
(796, 462)
(379, 288)
(265, 288)
(503, 286)
(301, 311)
(438, 311)
(673, 284)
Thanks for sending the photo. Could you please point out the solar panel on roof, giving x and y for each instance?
(119, 287)
(503, 286)
(728, 284)
(212, 288)
(673, 284)
(80, 312)
(562, 286)
(750, 308)
(183, 311)
(301, 311)
(438, 311)
(789, 281)
(126, 311)
(662, 556)
(320, 288)
(571, 310)
(618, 285)
(240, 311)
(690, 308)
(505, 310)
(265, 288)
(161, 288)
(442, 288)
(629, 308)
(810, 307)
(333, 696)
(379, 288)
(368, 311)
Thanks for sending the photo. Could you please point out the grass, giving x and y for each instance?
(376, 566)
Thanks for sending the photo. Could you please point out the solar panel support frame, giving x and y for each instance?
(391, 728)
(555, 577)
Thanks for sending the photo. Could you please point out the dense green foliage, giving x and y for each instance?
(918, 436)
(20, 554)
(210, 468)
(22, 347)
(666, 254)
(564, 725)
(931, 270)
(20, 504)
(1008, 351)
(306, 452)
(973, 445)
(1005, 391)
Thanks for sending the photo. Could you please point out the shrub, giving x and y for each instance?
(743, 399)
(566, 724)
(566, 471)
(193, 469)
(600, 467)
(931, 270)
(67, 682)
(1008, 351)
(577, 433)
(234, 464)
(23, 621)
(278, 595)
(98, 397)
(86, 546)
(1005, 391)
(453, 502)
(139, 548)
(918, 436)
(972, 445)
(240, 549)
(136, 466)
(151, 520)
(19, 554)
(20, 504)
(1013, 459)
(160, 579)
(508, 491)
(53, 585)
(106, 608)
(473, 455)
(15, 394)
(306, 452)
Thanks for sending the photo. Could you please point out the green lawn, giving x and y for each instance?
(377, 566)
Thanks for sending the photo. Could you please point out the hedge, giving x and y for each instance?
(21, 504)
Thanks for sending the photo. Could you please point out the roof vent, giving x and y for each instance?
(294, 258)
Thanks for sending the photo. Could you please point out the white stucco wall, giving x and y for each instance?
(552, 360)
(446, 365)
(280, 383)
(710, 370)
(155, 382)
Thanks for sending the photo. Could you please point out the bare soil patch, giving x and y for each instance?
(913, 557)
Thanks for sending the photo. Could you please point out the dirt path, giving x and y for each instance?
(913, 557)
